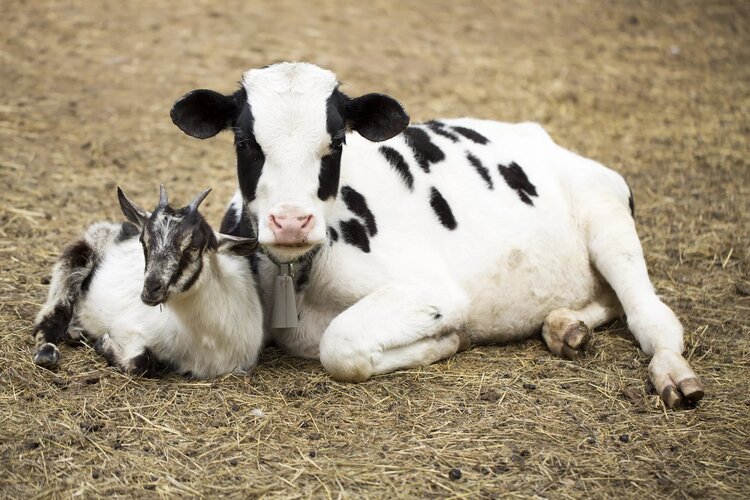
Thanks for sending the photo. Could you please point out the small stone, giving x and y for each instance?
(304, 424)
(45, 280)
(500, 469)
(257, 412)
(591, 440)
(454, 474)
(95, 474)
(235, 407)
(32, 445)
(490, 395)
(117, 445)
(313, 454)
(529, 387)
(60, 382)
(233, 462)
(624, 438)
(92, 379)
(91, 426)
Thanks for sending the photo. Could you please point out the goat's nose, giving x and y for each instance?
(153, 287)
(291, 227)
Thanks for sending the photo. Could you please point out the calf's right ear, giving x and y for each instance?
(204, 113)
(131, 211)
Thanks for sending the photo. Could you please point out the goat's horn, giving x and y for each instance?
(198, 200)
(163, 196)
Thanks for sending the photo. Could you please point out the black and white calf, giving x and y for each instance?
(413, 241)
(195, 309)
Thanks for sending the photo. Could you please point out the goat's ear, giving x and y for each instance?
(131, 211)
(377, 117)
(204, 113)
(236, 245)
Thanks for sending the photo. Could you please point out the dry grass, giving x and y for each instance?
(661, 92)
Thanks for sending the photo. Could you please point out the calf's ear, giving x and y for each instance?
(131, 211)
(376, 117)
(204, 113)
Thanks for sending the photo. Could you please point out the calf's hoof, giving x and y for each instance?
(674, 380)
(47, 356)
(575, 339)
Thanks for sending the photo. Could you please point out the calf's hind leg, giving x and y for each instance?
(616, 252)
(567, 332)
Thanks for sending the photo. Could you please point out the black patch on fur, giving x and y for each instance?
(425, 151)
(330, 164)
(330, 171)
(148, 365)
(250, 157)
(333, 234)
(355, 234)
(442, 209)
(631, 203)
(127, 231)
(472, 135)
(86, 283)
(358, 205)
(79, 254)
(108, 355)
(516, 179)
(242, 228)
(230, 222)
(303, 269)
(191, 281)
(481, 169)
(439, 129)
(54, 326)
(397, 162)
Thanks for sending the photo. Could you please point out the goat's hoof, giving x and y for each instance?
(574, 339)
(47, 356)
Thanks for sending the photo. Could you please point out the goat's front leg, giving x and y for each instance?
(134, 358)
(394, 328)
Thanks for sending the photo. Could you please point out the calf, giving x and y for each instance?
(408, 243)
(208, 321)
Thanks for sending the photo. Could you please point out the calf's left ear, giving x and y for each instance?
(204, 113)
(376, 117)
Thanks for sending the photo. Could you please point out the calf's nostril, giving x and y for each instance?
(306, 221)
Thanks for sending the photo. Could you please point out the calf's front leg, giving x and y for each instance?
(393, 328)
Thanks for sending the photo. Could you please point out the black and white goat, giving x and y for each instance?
(208, 321)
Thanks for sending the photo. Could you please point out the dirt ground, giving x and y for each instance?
(660, 91)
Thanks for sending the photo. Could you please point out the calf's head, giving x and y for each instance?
(176, 244)
(289, 122)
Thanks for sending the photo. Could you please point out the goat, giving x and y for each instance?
(208, 322)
